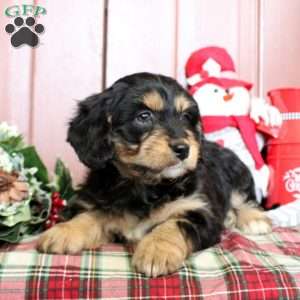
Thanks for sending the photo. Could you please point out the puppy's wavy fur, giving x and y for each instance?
(154, 180)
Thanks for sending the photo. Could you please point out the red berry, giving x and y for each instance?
(54, 217)
(55, 195)
(48, 224)
(54, 210)
(58, 202)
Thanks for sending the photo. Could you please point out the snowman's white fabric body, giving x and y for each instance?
(210, 99)
(212, 81)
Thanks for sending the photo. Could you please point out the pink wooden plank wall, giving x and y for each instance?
(281, 43)
(39, 87)
(67, 68)
(15, 77)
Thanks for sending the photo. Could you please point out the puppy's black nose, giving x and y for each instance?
(181, 150)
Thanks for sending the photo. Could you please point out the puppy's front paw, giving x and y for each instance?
(82, 232)
(62, 239)
(254, 222)
(155, 257)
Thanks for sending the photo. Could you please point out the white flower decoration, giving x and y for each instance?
(5, 161)
(7, 131)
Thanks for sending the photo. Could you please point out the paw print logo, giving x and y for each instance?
(22, 34)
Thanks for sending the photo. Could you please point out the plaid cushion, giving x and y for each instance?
(240, 267)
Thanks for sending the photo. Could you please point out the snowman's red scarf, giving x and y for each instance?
(244, 124)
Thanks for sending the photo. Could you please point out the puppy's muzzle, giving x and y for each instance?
(181, 150)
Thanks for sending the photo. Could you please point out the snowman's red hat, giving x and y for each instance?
(212, 65)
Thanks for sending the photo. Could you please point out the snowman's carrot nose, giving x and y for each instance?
(228, 97)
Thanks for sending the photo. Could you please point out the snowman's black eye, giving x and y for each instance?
(216, 90)
(227, 91)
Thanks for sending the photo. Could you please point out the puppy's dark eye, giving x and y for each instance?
(187, 116)
(144, 118)
(192, 117)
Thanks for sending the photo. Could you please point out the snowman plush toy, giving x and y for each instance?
(230, 116)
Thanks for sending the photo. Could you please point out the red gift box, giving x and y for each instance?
(283, 154)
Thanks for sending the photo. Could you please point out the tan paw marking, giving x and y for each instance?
(160, 253)
(253, 221)
(73, 236)
(61, 239)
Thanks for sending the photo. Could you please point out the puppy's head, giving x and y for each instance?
(146, 125)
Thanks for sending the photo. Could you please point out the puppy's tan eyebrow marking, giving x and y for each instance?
(182, 103)
(153, 101)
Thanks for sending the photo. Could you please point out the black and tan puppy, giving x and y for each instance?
(154, 180)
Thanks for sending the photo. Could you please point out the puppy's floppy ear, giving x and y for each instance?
(89, 132)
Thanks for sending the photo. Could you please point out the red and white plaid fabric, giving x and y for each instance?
(240, 267)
